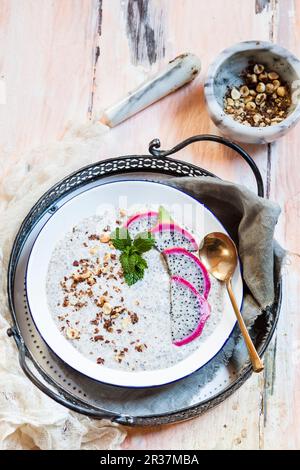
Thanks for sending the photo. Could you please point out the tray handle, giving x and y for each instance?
(154, 149)
(63, 398)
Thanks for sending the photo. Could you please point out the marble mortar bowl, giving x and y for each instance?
(225, 72)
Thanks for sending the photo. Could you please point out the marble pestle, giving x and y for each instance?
(178, 72)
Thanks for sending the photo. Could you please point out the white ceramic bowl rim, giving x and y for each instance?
(217, 110)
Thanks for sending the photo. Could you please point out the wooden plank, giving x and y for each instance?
(282, 394)
(47, 60)
(231, 425)
(184, 114)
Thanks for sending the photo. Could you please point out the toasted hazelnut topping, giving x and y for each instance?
(80, 277)
(106, 257)
(104, 238)
(72, 333)
(118, 358)
(107, 308)
(126, 322)
(91, 281)
(101, 301)
(140, 347)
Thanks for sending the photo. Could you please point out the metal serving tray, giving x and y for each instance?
(179, 401)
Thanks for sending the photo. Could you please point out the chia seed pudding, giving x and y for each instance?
(111, 323)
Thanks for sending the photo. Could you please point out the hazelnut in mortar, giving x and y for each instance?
(263, 99)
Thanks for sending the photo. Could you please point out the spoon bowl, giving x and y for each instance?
(219, 255)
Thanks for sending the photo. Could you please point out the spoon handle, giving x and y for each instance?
(257, 363)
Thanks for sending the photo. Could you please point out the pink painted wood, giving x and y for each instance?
(67, 59)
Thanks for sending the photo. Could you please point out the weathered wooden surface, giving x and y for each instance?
(65, 60)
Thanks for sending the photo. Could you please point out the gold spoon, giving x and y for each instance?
(219, 255)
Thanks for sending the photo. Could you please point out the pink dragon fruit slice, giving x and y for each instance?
(189, 311)
(141, 222)
(172, 235)
(183, 263)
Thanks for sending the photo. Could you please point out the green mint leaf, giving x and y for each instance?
(120, 238)
(143, 242)
(132, 278)
(124, 260)
(142, 263)
(132, 262)
(128, 250)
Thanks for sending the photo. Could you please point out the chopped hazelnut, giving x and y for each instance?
(252, 78)
(273, 75)
(251, 106)
(104, 238)
(101, 301)
(269, 88)
(263, 77)
(281, 91)
(106, 257)
(91, 281)
(107, 308)
(248, 98)
(235, 94)
(244, 90)
(258, 69)
(257, 118)
(260, 98)
(72, 333)
(261, 87)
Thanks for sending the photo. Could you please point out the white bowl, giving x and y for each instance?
(89, 203)
(225, 71)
